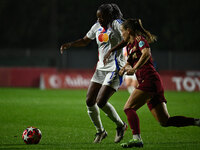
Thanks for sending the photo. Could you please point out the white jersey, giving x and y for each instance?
(106, 39)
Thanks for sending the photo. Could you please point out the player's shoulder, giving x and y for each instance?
(141, 41)
(117, 22)
(120, 21)
(95, 26)
(140, 38)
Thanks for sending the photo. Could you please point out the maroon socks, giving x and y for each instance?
(176, 121)
(133, 120)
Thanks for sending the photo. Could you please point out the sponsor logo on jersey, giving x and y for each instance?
(103, 36)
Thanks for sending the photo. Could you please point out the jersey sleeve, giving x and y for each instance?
(91, 33)
(142, 43)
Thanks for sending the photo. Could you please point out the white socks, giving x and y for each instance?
(110, 111)
(112, 114)
(94, 115)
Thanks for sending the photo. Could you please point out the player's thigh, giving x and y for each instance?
(92, 93)
(110, 85)
(128, 81)
(104, 94)
(137, 99)
(134, 83)
(160, 113)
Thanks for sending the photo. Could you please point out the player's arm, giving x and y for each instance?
(118, 46)
(113, 49)
(78, 43)
(123, 69)
(146, 54)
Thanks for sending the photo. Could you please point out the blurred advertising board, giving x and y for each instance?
(181, 80)
(172, 80)
(51, 78)
(67, 81)
(62, 81)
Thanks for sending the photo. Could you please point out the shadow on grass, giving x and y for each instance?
(70, 146)
(169, 143)
(88, 145)
(20, 146)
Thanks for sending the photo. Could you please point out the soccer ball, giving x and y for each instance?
(31, 135)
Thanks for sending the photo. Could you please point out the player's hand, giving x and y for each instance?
(122, 71)
(64, 47)
(106, 57)
(130, 71)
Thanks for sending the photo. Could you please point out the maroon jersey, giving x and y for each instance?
(147, 71)
(148, 78)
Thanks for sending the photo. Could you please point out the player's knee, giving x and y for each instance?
(101, 103)
(90, 102)
(126, 106)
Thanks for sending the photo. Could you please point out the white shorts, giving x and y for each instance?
(133, 77)
(108, 78)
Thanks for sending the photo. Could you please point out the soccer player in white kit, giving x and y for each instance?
(106, 80)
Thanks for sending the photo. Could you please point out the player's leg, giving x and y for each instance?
(136, 100)
(161, 114)
(128, 82)
(93, 111)
(105, 92)
(111, 84)
(131, 82)
(134, 82)
(102, 101)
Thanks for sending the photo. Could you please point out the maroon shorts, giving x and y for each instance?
(155, 89)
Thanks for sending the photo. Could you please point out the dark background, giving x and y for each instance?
(28, 26)
(49, 23)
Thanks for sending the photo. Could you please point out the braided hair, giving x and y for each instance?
(112, 10)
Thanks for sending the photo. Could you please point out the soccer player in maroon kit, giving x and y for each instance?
(150, 89)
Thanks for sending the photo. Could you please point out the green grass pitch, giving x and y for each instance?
(62, 117)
